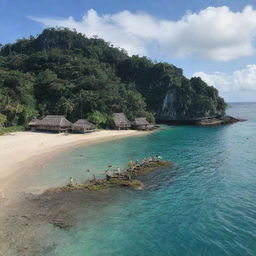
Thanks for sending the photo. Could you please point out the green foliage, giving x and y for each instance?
(98, 118)
(63, 72)
(17, 101)
(3, 119)
(5, 130)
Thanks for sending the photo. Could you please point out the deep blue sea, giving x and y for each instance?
(203, 206)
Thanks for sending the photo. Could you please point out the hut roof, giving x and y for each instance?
(140, 121)
(54, 120)
(120, 119)
(82, 123)
(34, 121)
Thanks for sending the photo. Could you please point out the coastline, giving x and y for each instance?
(41, 224)
(23, 212)
(23, 151)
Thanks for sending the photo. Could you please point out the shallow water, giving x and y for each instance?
(205, 205)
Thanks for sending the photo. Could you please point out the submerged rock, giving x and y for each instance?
(60, 223)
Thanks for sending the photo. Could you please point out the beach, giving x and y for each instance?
(23, 151)
(207, 195)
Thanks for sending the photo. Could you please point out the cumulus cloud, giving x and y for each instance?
(240, 80)
(214, 33)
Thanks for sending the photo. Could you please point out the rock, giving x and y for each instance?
(60, 223)
(219, 121)
(26, 217)
(190, 101)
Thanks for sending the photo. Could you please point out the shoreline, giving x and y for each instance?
(23, 151)
(33, 216)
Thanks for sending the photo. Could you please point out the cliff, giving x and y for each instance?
(190, 104)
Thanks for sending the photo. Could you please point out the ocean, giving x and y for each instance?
(204, 205)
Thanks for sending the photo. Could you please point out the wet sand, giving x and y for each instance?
(30, 150)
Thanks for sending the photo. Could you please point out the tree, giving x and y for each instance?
(97, 118)
(65, 106)
(3, 119)
(63, 72)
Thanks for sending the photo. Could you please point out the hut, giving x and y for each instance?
(54, 123)
(141, 123)
(32, 124)
(121, 121)
(83, 126)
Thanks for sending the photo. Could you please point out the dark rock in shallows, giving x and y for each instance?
(62, 224)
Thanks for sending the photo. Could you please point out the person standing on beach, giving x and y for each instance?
(108, 174)
(118, 171)
(71, 181)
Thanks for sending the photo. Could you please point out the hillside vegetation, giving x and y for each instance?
(63, 72)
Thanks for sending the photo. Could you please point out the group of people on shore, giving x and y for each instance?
(116, 173)
(132, 165)
(110, 174)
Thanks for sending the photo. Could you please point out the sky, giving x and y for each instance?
(213, 39)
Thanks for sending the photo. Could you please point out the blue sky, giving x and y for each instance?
(213, 39)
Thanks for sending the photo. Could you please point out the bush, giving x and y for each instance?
(3, 119)
(98, 118)
(4, 130)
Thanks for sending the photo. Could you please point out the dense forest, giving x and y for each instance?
(63, 72)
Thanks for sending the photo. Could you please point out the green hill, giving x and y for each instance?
(63, 72)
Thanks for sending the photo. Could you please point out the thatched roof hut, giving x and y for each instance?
(141, 123)
(54, 123)
(83, 126)
(121, 121)
(32, 124)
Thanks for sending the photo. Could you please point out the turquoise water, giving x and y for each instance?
(205, 205)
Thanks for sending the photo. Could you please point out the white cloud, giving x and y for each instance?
(240, 80)
(213, 33)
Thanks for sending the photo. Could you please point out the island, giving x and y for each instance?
(62, 72)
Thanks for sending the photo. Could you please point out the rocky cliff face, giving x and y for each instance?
(190, 105)
(168, 109)
(170, 95)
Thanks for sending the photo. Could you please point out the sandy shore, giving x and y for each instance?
(24, 220)
(25, 150)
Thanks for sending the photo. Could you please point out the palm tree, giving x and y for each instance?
(67, 105)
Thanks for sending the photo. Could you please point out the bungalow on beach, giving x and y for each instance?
(32, 124)
(53, 123)
(121, 121)
(83, 126)
(141, 123)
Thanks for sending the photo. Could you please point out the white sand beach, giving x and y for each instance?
(26, 150)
